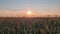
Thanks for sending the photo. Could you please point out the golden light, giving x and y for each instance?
(29, 12)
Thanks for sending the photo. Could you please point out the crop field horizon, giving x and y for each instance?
(29, 16)
(29, 25)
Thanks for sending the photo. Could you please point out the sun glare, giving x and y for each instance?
(29, 12)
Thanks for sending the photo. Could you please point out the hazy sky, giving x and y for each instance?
(38, 6)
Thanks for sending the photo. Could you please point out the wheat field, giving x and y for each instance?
(34, 25)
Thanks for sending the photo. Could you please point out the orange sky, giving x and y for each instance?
(13, 13)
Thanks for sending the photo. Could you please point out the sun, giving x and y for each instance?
(29, 12)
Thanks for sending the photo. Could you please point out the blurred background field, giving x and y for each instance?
(27, 25)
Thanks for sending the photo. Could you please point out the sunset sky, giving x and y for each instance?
(38, 7)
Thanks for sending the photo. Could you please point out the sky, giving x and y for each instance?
(41, 7)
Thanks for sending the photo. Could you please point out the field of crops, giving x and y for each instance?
(33, 25)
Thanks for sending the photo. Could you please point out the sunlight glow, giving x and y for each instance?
(29, 12)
